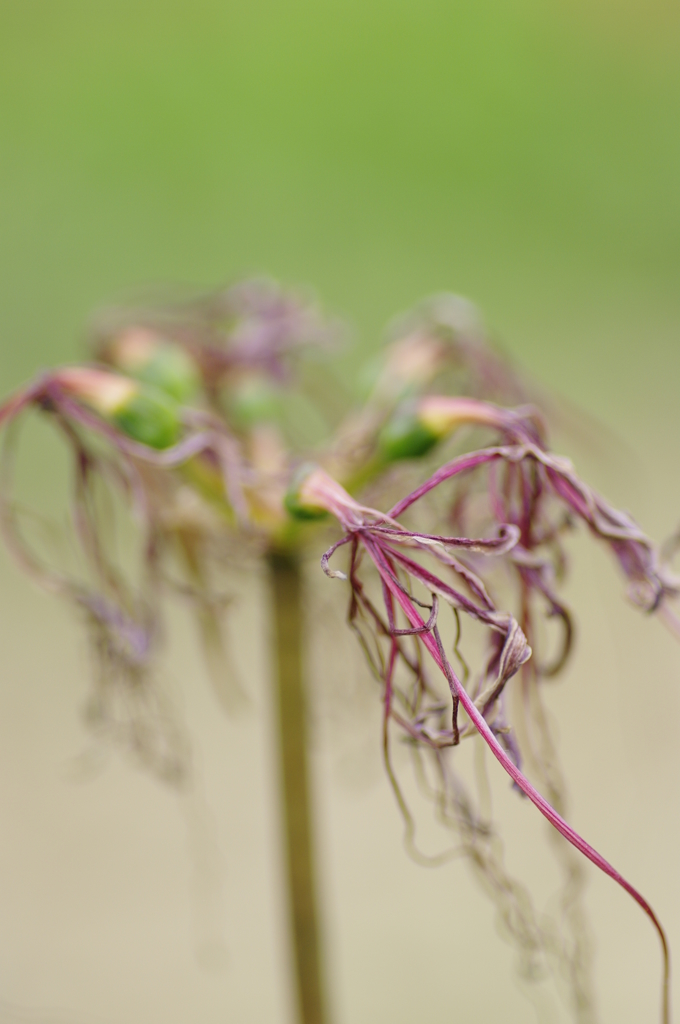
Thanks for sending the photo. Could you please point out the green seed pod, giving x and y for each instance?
(255, 401)
(293, 503)
(143, 413)
(150, 417)
(148, 357)
(405, 436)
(171, 370)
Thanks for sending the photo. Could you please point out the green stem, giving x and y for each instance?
(286, 589)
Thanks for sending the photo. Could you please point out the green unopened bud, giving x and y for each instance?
(294, 501)
(415, 429)
(143, 413)
(150, 417)
(405, 436)
(150, 358)
(254, 401)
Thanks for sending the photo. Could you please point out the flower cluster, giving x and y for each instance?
(180, 420)
(188, 415)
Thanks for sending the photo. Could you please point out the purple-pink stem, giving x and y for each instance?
(460, 465)
(513, 771)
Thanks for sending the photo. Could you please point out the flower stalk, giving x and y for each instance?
(286, 587)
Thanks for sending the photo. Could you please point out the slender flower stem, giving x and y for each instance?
(286, 590)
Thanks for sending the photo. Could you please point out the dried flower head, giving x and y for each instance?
(188, 418)
(401, 637)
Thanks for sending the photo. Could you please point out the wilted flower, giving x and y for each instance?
(190, 416)
(417, 708)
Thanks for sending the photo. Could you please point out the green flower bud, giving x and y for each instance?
(143, 413)
(418, 427)
(172, 371)
(255, 401)
(150, 417)
(150, 358)
(405, 436)
(293, 501)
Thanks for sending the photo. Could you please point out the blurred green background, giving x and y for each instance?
(525, 153)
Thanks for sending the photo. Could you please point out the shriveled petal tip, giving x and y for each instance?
(334, 574)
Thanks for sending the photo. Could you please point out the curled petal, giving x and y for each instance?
(336, 574)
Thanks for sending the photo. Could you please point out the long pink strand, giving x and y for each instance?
(460, 465)
(516, 775)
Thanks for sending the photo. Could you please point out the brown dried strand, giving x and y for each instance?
(452, 686)
(456, 646)
(409, 822)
